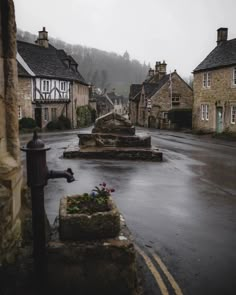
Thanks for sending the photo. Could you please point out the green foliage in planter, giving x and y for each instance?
(85, 116)
(60, 124)
(181, 117)
(97, 201)
(87, 204)
(27, 123)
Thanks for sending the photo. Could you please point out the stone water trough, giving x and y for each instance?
(113, 137)
(92, 254)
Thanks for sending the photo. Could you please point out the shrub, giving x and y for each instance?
(27, 123)
(85, 116)
(65, 122)
(60, 124)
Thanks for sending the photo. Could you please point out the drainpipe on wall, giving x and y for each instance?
(72, 106)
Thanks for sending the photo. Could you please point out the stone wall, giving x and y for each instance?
(222, 93)
(10, 168)
(24, 93)
(80, 98)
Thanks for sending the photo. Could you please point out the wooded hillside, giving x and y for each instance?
(103, 69)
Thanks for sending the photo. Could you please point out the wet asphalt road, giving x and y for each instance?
(183, 209)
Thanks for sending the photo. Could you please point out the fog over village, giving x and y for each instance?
(117, 147)
(180, 32)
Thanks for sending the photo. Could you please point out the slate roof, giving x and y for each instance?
(22, 71)
(47, 62)
(134, 90)
(116, 98)
(151, 88)
(222, 55)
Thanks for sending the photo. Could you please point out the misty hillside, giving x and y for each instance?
(103, 69)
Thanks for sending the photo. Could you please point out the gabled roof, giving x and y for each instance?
(102, 99)
(47, 62)
(222, 55)
(116, 98)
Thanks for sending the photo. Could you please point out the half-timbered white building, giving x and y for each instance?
(50, 84)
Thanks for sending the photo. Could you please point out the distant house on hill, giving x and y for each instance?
(215, 88)
(119, 101)
(50, 84)
(101, 103)
(151, 101)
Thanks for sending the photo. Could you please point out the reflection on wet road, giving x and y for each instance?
(183, 208)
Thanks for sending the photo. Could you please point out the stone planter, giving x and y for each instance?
(98, 225)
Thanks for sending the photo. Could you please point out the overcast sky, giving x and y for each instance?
(181, 32)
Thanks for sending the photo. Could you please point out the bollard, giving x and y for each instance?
(37, 177)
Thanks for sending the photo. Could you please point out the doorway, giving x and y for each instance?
(219, 119)
(38, 117)
(151, 122)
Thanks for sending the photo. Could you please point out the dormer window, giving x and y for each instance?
(234, 76)
(45, 85)
(207, 80)
(63, 86)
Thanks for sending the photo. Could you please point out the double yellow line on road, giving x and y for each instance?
(156, 274)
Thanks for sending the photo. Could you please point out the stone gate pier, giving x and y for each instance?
(10, 167)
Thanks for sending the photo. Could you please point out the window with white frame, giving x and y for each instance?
(205, 112)
(233, 114)
(19, 112)
(234, 76)
(62, 86)
(45, 85)
(175, 99)
(46, 114)
(206, 80)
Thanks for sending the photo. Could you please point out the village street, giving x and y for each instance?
(182, 211)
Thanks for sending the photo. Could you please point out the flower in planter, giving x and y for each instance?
(90, 203)
(103, 190)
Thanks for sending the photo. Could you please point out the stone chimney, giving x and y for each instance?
(151, 72)
(162, 68)
(43, 38)
(222, 35)
(157, 67)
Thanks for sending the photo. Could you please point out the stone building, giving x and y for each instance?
(119, 101)
(104, 104)
(10, 162)
(214, 87)
(150, 102)
(50, 84)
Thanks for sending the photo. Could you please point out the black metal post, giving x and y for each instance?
(37, 177)
(36, 180)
